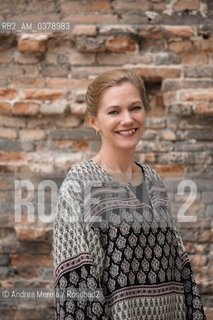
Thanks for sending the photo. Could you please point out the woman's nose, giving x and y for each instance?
(127, 118)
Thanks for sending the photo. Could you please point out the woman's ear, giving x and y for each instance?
(92, 122)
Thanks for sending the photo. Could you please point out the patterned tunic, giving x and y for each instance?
(117, 257)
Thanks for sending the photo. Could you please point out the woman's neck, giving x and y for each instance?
(119, 161)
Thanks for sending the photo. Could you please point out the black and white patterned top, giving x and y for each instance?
(117, 256)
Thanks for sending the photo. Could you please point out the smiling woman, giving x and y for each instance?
(113, 232)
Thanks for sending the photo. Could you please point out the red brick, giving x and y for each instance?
(182, 5)
(12, 156)
(42, 94)
(5, 108)
(99, 6)
(36, 134)
(32, 43)
(7, 93)
(204, 44)
(8, 133)
(203, 108)
(26, 260)
(91, 18)
(85, 30)
(179, 31)
(79, 59)
(25, 108)
(6, 57)
(180, 46)
(209, 313)
(121, 44)
(30, 233)
(197, 95)
(170, 171)
(158, 73)
(125, 6)
(194, 58)
(63, 83)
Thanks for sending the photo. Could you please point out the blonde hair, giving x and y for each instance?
(110, 79)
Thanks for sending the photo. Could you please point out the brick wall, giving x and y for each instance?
(43, 79)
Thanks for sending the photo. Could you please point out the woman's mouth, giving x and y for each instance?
(127, 133)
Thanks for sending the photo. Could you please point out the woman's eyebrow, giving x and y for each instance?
(118, 106)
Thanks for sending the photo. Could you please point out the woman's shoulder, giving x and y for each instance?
(81, 174)
(149, 172)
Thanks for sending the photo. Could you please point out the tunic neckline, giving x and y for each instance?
(127, 186)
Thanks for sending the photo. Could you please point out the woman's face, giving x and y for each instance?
(120, 117)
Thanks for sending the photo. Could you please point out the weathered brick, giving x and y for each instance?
(31, 134)
(178, 31)
(207, 197)
(176, 158)
(121, 44)
(8, 133)
(180, 46)
(27, 58)
(12, 122)
(32, 43)
(78, 108)
(42, 94)
(203, 44)
(116, 29)
(5, 107)
(91, 18)
(31, 260)
(25, 108)
(61, 134)
(203, 108)
(90, 44)
(158, 73)
(70, 121)
(198, 71)
(79, 59)
(6, 57)
(30, 233)
(60, 83)
(100, 6)
(176, 84)
(197, 95)
(166, 58)
(85, 30)
(4, 259)
(54, 108)
(7, 93)
(184, 108)
(182, 5)
(194, 58)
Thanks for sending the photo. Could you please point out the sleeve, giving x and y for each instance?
(194, 306)
(78, 294)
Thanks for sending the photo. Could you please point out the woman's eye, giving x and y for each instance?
(137, 107)
(113, 112)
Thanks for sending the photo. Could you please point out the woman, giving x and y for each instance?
(117, 254)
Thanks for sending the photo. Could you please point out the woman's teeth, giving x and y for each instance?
(127, 132)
